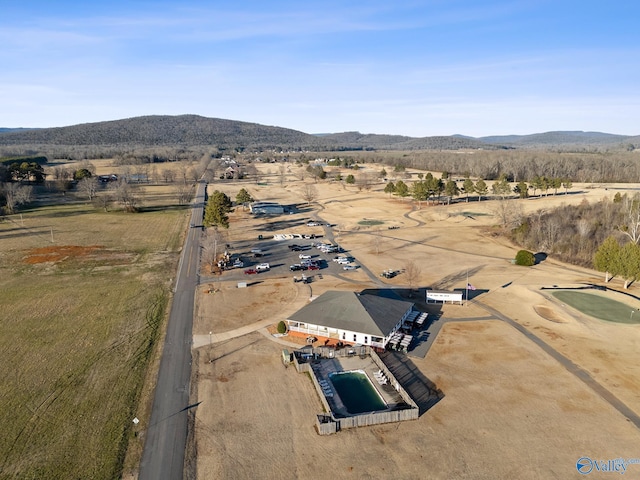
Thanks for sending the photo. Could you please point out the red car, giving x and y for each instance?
(250, 271)
(313, 267)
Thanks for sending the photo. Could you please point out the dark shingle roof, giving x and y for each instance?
(363, 313)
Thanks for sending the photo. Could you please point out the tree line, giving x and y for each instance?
(603, 235)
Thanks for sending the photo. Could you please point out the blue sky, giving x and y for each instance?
(417, 68)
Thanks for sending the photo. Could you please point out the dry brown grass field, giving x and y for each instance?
(510, 410)
(83, 295)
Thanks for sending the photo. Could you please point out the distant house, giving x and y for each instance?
(108, 178)
(138, 178)
(232, 172)
(351, 318)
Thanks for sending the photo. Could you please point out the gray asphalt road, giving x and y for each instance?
(166, 435)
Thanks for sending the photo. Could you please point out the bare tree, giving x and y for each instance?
(125, 194)
(182, 192)
(195, 173)
(631, 212)
(250, 170)
(183, 172)
(365, 180)
(168, 175)
(88, 187)
(16, 194)
(508, 211)
(376, 242)
(103, 200)
(309, 193)
(412, 274)
(212, 245)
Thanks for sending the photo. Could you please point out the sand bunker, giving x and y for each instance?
(548, 314)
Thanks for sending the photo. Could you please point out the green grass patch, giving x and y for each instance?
(599, 307)
(77, 335)
(370, 223)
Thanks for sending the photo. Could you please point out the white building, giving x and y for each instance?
(351, 318)
(266, 208)
(444, 296)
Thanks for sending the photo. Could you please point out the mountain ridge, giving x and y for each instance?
(195, 130)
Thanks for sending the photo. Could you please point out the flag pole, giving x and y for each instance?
(466, 300)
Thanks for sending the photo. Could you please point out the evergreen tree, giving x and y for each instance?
(243, 196)
(419, 191)
(521, 189)
(401, 189)
(481, 188)
(468, 187)
(628, 264)
(390, 188)
(451, 189)
(501, 187)
(215, 213)
(606, 259)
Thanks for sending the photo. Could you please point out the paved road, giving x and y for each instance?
(166, 436)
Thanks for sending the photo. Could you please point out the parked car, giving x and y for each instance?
(263, 267)
(250, 271)
(314, 267)
(312, 224)
(238, 263)
(291, 247)
(349, 267)
(304, 256)
(296, 267)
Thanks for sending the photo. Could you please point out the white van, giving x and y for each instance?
(263, 267)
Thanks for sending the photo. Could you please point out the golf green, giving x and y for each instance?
(599, 307)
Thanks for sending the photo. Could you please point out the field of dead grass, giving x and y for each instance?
(84, 296)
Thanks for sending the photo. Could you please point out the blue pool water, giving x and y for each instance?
(356, 392)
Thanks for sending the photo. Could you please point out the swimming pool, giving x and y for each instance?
(357, 392)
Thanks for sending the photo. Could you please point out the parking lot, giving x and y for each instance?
(288, 257)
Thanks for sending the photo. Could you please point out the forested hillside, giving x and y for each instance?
(524, 165)
(182, 130)
(561, 140)
(357, 140)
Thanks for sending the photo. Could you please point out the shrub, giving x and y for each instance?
(525, 258)
(282, 327)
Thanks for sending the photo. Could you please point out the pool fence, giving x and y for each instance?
(327, 423)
